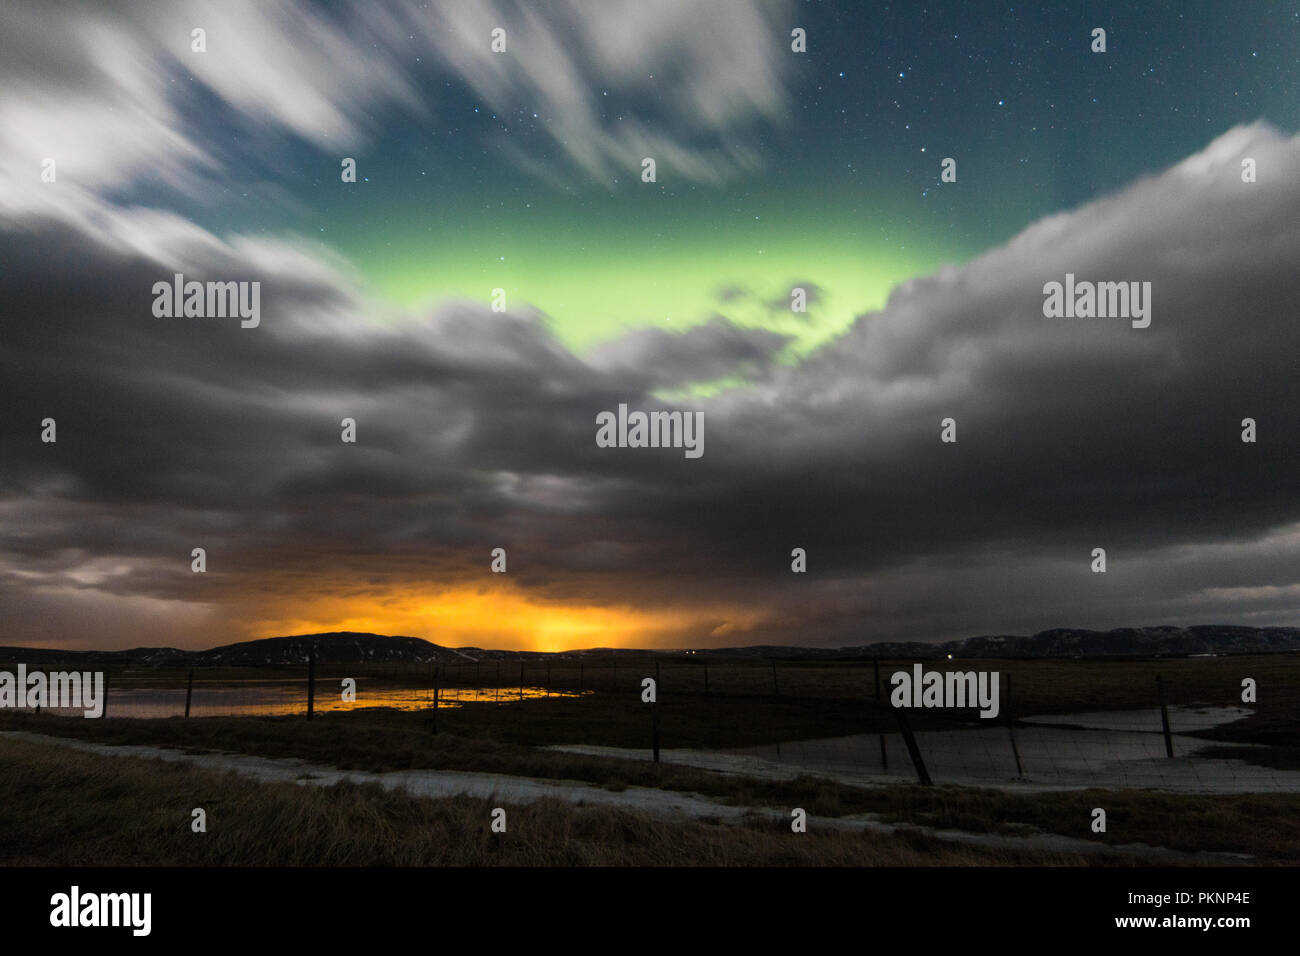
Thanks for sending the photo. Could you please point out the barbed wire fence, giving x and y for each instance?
(1150, 744)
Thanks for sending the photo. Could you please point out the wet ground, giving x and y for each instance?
(1068, 751)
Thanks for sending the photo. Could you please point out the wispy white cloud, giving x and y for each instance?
(116, 96)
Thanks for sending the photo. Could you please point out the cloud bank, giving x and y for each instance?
(476, 430)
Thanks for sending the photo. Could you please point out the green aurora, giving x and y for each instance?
(598, 268)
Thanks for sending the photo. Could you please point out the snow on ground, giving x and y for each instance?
(660, 803)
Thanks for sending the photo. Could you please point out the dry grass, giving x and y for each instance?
(76, 809)
(1266, 826)
(817, 699)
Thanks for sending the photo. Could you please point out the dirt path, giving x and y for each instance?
(660, 803)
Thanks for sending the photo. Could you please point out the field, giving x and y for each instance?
(314, 818)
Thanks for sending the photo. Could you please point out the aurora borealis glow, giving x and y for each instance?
(521, 170)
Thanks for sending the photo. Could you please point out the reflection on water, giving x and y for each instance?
(1115, 748)
(263, 698)
(1181, 717)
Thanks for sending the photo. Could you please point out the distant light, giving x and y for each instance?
(949, 657)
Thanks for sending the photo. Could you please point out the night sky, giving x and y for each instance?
(521, 170)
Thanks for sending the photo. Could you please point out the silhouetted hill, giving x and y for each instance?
(1120, 642)
(347, 647)
(335, 647)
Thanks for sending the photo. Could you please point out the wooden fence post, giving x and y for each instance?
(311, 682)
(654, 724)
(1164, 717)
(913, 750)
(1011, 730)
(884, 755)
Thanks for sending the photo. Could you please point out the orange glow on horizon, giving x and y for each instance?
(504, 619)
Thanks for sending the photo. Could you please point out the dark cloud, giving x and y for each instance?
(652, 358)
(733, 293)
(813, 294)
(477, 428)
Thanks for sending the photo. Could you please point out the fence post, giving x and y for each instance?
(1164, 717)
(654, 723)
(434, 718)
(311, 682)
(548, 678)
(1011, 730)
(913, 750)
(884, 755)
(579, 676)
(706, 679)
(776, 688)
(189, 692)
(521, 680)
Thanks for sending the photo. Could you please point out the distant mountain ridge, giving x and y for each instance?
(1078, 642)
(343, 647)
